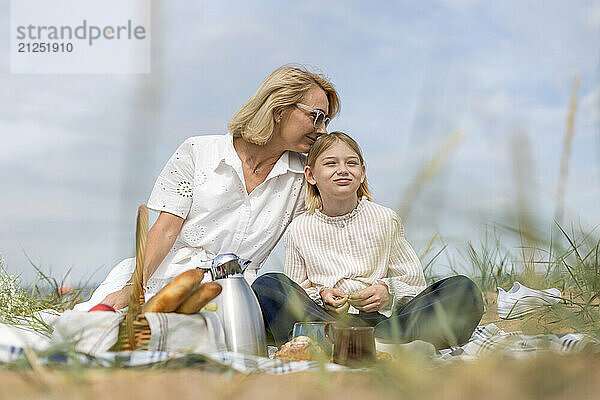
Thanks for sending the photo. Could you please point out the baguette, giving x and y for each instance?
(199, 298)
(175, 292)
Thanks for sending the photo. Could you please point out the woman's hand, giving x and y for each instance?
(118, 299)
(335, 300)
(371, 299)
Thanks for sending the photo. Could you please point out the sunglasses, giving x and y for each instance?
(319, 116)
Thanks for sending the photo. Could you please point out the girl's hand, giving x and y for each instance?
(371, 299)
(335, 300)
(118, 299)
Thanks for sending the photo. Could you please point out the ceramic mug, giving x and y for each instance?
(352, 346)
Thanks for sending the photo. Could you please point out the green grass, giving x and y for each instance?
(21, 306)
(567, 260)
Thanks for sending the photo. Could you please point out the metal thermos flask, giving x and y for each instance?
(238, 307)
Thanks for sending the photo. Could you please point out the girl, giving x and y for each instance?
(347, 259)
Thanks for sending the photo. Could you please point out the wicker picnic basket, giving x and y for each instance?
(134, 330)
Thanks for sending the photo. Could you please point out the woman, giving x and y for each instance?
(235, 192)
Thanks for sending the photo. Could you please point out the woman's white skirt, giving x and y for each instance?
(174, 264)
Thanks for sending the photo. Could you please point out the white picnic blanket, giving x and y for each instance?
(200, 339)
(490, 339)
(24, 335)
(95, 332)
(164, 348)
(195, 338)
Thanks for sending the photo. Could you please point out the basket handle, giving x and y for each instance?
(136, 295)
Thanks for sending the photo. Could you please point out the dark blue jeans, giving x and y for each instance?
(445, 314)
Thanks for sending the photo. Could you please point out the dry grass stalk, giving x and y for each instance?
(564, 163)
(429, 171)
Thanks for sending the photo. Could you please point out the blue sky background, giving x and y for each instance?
(80, 152)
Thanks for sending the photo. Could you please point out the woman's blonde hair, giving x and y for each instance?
(312, 197)
(255, 120)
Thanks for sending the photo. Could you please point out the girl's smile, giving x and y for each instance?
(343, 181)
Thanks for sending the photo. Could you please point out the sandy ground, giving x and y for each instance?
(543, 376)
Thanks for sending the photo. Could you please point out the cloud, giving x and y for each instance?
(80, 152)
(591, 15)
(588, 114)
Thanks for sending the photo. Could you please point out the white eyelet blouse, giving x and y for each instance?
(203, 183)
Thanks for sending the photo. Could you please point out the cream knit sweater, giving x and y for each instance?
(351, 252)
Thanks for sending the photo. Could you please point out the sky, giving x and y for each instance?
(473, 83)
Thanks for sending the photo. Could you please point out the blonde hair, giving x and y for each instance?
(255, 120)
(312, 197)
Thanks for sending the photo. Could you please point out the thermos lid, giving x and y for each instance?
(227, 264)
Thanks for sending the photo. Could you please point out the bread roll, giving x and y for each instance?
(199, 298)
(301, 348)
(175, 292)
